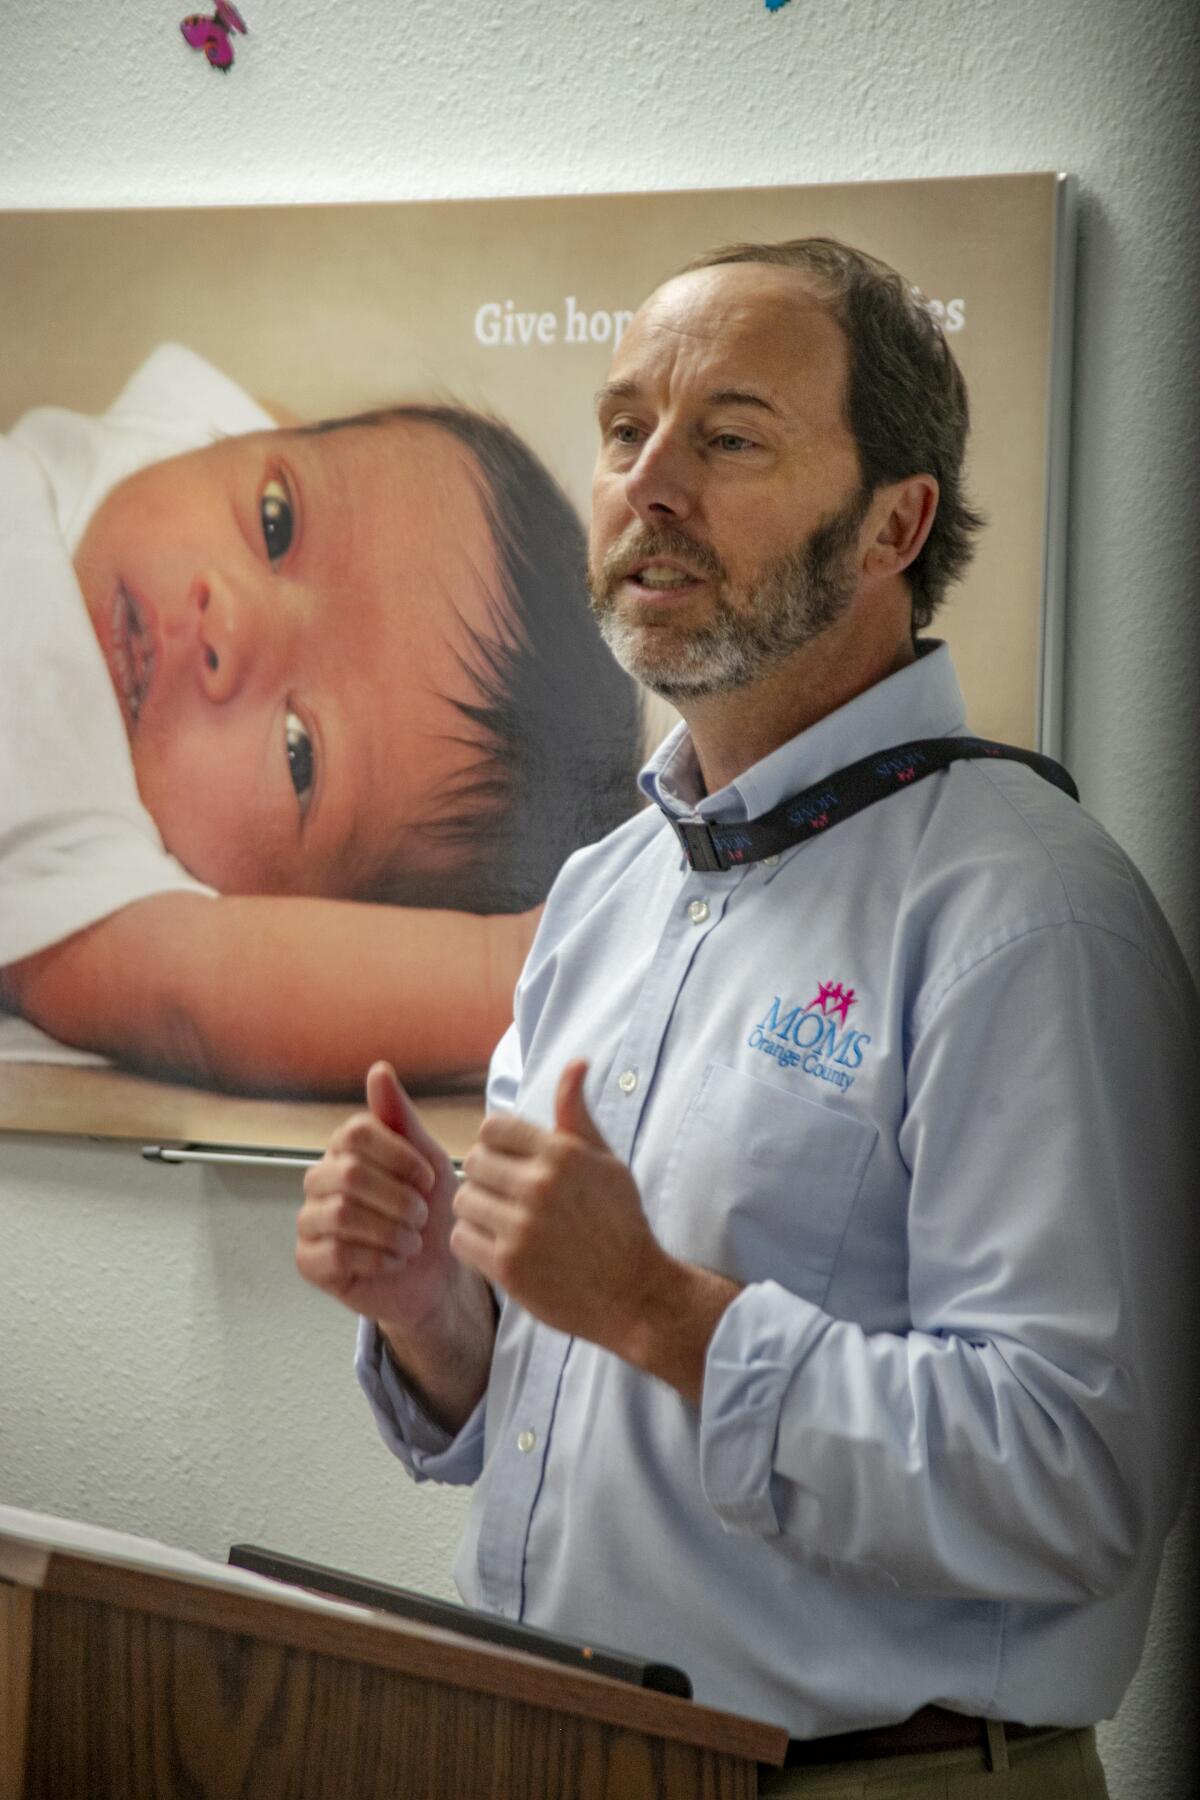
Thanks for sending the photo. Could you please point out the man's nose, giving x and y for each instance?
(662, 483)
(237, 636)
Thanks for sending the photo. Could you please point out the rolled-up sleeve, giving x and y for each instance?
(759, 1343)
(427, 1451)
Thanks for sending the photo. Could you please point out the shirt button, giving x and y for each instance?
(698, 911)
(770, 861)
(526, 1440)
(627, 1080)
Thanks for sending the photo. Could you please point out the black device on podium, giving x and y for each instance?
(621, 1665)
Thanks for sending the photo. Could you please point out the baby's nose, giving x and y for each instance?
(231, 638)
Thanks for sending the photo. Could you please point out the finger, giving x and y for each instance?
(366, 1134)
(512, 1135)
(571, 1113)
(349, 1172)
(355, 1183)
(494, 1169)
(475, 1248)
(363, 1144)
(389, 1101)
(482, 1209)
(353, 1223)
(386, 1097)
(336, 1266)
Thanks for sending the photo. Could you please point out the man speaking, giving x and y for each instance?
(809, 1314)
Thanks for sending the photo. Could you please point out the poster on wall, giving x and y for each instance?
(303, 704)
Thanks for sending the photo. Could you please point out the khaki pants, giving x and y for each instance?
(1057, 1765)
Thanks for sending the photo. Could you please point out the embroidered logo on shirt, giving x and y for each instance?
(833, 999)
(808, 1037)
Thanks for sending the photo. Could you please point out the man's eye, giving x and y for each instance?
(275, 512)
(624, 433)
(301, 760)
(729, 440)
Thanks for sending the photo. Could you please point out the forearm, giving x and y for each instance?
(669, 1324)
(334, 985)
(948, 1466)
(279, 995)
(953, 1466)
(444, 1363)
(942, 1465)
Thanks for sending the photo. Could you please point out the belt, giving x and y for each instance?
(933, 1728)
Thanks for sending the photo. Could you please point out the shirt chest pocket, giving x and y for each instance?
(760, 1182)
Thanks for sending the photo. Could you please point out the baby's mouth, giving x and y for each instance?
(134, 651)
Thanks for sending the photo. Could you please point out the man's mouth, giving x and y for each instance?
(133, 642)
(661, 578)
(660, 568)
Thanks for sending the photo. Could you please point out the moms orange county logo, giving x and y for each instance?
(816, 1038)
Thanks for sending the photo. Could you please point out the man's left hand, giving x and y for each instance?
(556, 1220)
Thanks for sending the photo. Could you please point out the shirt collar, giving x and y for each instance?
(923, 699)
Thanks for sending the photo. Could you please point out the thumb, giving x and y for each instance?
(570, 1108)
(392, 1107)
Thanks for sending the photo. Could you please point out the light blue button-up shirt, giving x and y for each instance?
(923, 1085)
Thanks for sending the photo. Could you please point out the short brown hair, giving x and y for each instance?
(906, 399)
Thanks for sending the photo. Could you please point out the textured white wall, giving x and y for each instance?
(162, 1369)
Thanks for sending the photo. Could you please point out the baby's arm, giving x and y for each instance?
(278, 995)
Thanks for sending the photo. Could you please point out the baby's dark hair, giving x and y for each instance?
(554, 720)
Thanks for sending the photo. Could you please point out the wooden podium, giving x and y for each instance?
(127, 1682)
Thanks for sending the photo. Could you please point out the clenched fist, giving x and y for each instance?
(374, 1229)
(556, 1220)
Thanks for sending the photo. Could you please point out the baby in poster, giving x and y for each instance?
(301, 721)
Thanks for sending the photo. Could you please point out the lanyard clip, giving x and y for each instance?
(699, 846)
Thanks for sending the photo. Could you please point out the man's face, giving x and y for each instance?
(278, 616)
(726, 503)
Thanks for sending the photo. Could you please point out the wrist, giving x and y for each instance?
(443, 1359)
(666, 1331)
(464, 1303)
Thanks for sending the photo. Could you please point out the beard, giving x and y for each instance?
(795, 597)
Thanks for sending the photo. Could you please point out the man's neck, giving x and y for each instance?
(732, 731)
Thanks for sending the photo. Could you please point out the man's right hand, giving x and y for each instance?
(375, 1226)
(374, 1231)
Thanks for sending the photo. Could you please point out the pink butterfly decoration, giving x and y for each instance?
(210, 33)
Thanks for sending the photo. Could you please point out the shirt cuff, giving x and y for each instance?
(428, 1452)
(761, 1339)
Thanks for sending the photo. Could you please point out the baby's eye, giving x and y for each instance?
(275, 512)
(301, 759)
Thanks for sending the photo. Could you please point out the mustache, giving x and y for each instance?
(643, 543)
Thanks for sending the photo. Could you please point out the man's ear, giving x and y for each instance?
(903, 514)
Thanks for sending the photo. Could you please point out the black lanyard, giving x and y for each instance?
(843, 794)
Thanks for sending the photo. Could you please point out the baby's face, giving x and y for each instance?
(277, 613)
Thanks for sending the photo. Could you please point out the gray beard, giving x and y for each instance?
(798, 596)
